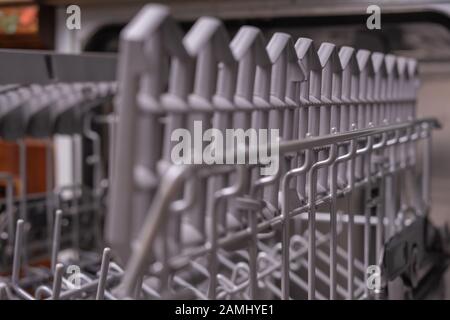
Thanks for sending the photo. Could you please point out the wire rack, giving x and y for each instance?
(352, 189)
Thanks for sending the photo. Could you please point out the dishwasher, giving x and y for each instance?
(336, 206)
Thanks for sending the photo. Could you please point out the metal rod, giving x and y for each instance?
(103, 274)
(17, 252)
(56, 239)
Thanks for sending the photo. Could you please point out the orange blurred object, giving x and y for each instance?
(19, 20)
(28, 16)
(36, 159)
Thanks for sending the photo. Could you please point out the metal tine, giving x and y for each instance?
(331, 88)
(401, 65)
(253, 76)
(367, 114)
(236, 269)
(381, 75)
(208, 43)
(56, 242)
(365, 154)
(391, 71)
(261, 99)
(381, 96)
(18, 244)
(390, 181)
(222, 119)
(57, 281)
(248, 48)
(306, 166)
(135, 159)
(350, 233)
(379, 92)
(367, 209)
(286, 72)
(42, 98)
(411, 96)
(252, 86)
(255, 208)
(340, 158)
(412, 86)
(350, 85)
(103, 274)
(197, 293)
(411, 191)
(177, 208)
(309, 97)
(364, 108)
(426, 171)
(13, 123)
(401, 150)
(293, 96)
(295, 76)
(312, 194)
(219, 197)
(175, 102)
(356, 120)
(380, 227)
(88, 287)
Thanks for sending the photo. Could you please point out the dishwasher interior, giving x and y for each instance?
(199, 214)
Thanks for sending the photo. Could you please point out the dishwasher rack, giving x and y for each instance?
(351, 193)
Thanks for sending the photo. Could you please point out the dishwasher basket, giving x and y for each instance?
(344, 216)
